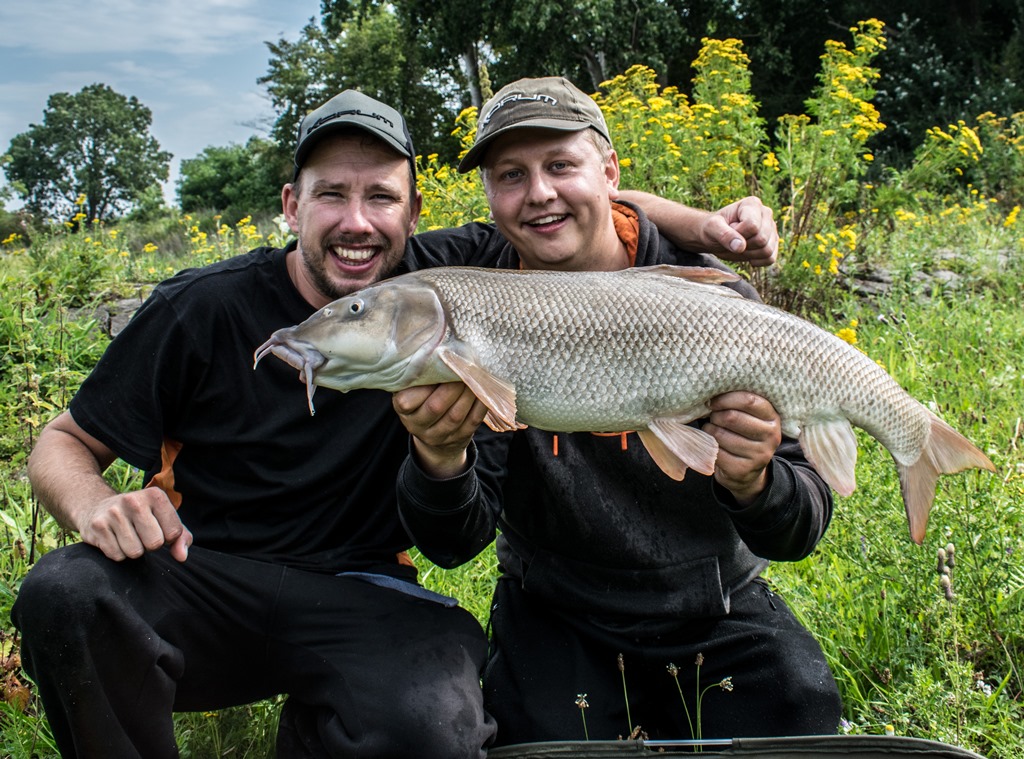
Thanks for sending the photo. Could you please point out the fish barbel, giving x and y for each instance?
(640, 349)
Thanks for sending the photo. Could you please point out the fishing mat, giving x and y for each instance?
(796, 747)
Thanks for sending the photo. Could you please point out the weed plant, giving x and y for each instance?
(931, 647)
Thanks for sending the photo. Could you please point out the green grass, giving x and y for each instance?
(903, 655)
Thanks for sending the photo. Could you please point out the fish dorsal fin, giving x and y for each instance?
(705, 274)
(498, 395)
(831, 447)
(675, 446)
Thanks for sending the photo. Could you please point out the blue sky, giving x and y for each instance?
(193, 63)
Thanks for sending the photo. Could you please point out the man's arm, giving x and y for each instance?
(742, 231)
(449, 487)
(473, 244)
(66, 471)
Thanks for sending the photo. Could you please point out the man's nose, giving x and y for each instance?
(539, 189)
(355, 220)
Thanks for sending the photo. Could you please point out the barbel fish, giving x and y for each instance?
(641, 349)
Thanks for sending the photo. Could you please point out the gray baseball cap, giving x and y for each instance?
(551, 102)
(352, 108)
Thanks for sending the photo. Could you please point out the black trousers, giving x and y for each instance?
(542, 661)
(115, 647)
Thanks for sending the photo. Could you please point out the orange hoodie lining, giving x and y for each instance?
(627, 227)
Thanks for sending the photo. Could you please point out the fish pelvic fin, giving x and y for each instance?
(495, 393)
(946, 452)
(831, 447)
(675, 447)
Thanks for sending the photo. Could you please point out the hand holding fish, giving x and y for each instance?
(441, 419)
(748, 430)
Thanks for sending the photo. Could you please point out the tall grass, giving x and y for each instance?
(927, 644)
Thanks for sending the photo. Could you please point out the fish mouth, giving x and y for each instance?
(301, 356)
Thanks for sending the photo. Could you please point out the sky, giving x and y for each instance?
(193, 63)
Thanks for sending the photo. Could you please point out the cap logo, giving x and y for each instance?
(351, 112)
(516, 97)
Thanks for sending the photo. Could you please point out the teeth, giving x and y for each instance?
(352, 254)
(547, 219)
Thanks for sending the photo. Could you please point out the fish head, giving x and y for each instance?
(379, 337)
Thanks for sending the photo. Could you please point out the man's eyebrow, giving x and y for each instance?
(392, 188)
(551, 154)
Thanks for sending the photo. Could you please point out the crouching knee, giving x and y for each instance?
(59, 593)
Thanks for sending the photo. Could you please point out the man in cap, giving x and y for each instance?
(617, 582)
(265, 555)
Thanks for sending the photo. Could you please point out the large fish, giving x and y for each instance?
(640, 349)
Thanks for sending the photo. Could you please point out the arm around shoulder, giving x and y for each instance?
(744, 231)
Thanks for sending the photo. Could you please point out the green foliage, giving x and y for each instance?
(306, 73)
(93, 145)
(905, 653)
(248, 731)
(237, 180)
(944, 62)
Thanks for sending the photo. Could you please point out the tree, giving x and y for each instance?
(237, 180)
(945, 61)
(359, 46)
(93, 145)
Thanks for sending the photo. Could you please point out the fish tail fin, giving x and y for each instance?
(946, 452)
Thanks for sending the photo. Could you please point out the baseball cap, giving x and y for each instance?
(352, 108)
(551, 102)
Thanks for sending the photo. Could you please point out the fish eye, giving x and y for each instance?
(355, 307)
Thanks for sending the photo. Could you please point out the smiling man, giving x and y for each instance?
(266, 555)
(354, 206)
(613, 573)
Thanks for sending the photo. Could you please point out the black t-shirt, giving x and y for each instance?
(257, 475)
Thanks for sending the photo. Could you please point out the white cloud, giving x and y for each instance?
(120, 27)
(193, 63)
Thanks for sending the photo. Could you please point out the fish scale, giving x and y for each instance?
(639, 349)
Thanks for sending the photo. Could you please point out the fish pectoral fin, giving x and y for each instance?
(831, 447)
(675, 446)
(498, 395)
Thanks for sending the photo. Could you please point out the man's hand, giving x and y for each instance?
(442, 420)
(126, 525)
(66, 471)
(743, 231)
(748, 430)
